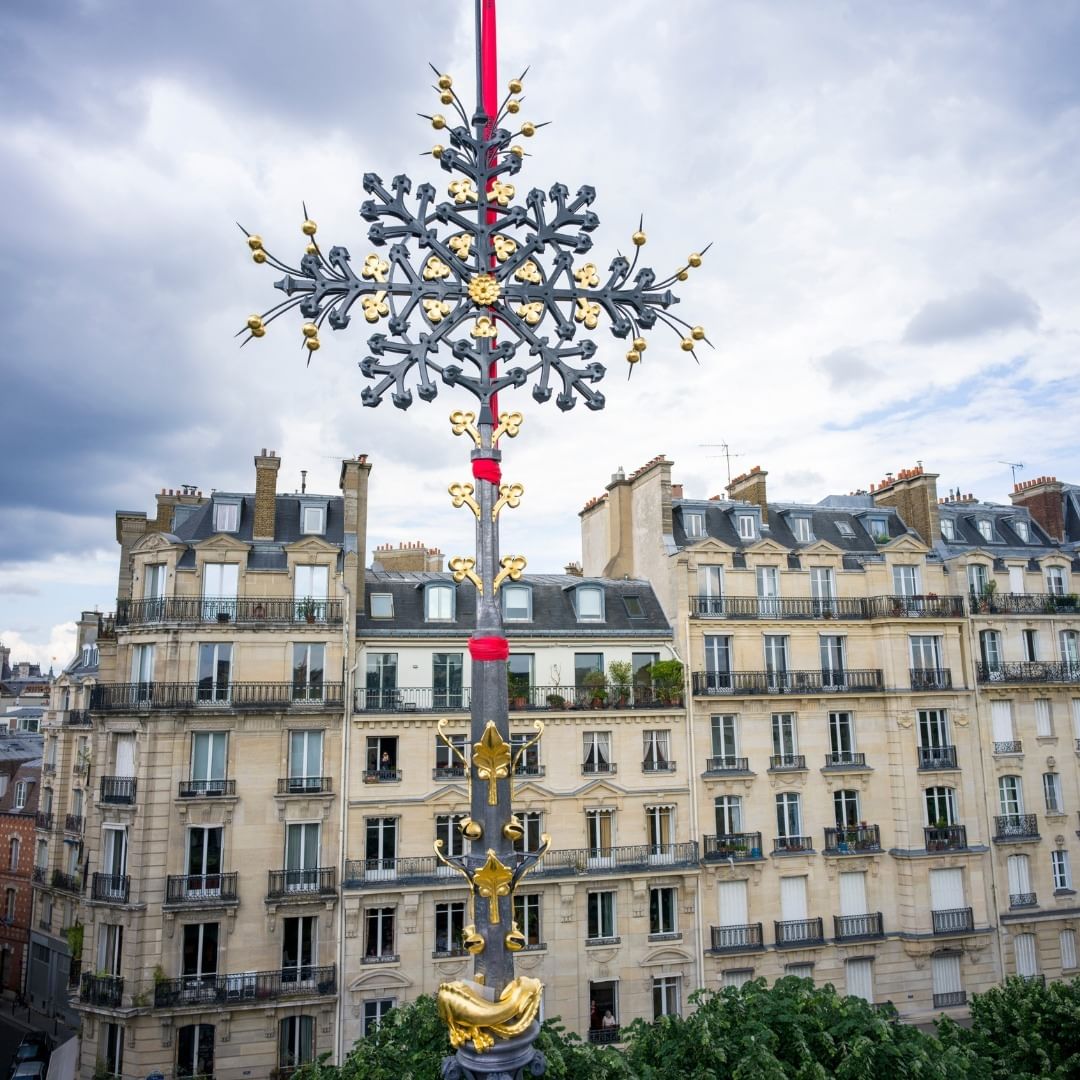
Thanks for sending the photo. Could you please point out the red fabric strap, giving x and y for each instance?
(487, 469)
(489, 648)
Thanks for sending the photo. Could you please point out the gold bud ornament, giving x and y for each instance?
(309, 228)
(513, 106)
(312, 343)
(255, 242)
(640, 344)
(312, 249)
(259, 256)
(445, 82)
(694, 260)
(517, 151)
(309, 330)
(687, 344)
(436, 151)
(639, 238)
(254, 322)
(446, 97)
(683, 275)
(698, 333)
(528, 129)
(514, 86)
(438, 122)
(633, 356)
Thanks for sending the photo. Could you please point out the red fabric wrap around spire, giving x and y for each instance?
(489, 648)
(487, 469)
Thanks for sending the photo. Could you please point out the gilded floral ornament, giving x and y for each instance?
(374, 268)
(436, 310)
(528, 272)
(462, 566)
(484, 290)
(462, 191)
(435, 269)
(375, 306)
(501, 193)
(588, 313)
(469, 1015)
(460, 245)
(504, 246)
(492, 882)
(512, 567)
(586, 276)
(483, 328)
(532, 312)
(491, 756)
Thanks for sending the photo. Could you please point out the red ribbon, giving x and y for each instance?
(487, 469)
(489, 648)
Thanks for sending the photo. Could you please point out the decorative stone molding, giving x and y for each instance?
(567, 894)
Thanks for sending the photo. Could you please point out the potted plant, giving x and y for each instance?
(307, 609)
(596, 690)
(621, 674)
(986, 597)
(667, 680)
(556, 701)
(517, 688)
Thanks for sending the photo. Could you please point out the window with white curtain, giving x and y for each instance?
(1052, 793)
(1001, 722)
(733, 904)
(859, 976)
(739, 976)
(597, 751)
(799, 971)
(945, 974)
(1061, 870)
(1067, 941)
(1027, 961)
(853, 893)
(1044, 726)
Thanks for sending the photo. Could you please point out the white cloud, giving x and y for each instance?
(56, 652)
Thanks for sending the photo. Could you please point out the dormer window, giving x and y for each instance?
(800, 526)
(89, 655)
(313, 520)
(844, 529)
(381, 605)
(20, 794)
(693, 524)
(747, 527)
(986, 528)
(1022, 530)
(948, 529)
(589, 603)
(879, 528)
(226, 516)
(517, 603)
(439, 603)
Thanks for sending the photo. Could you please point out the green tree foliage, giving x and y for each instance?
(1022, 1029)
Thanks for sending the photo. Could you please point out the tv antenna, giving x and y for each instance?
(725, 452)
(1014, 465)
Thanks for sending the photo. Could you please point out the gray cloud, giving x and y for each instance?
(845, 368)
(991, 306)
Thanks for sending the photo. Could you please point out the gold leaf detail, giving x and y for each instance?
(463, 191)
(509, 425)
(509, 495)
(588, 313)
(462, 565)
(436, 310)
(491, 756)
(375, 306)
(528, 272)
(504, 247)
(462, 423)
(462, 495)
(374, 268)
(469, 1015)
(586, 276)
(492, 881)
(512, 566)
(531, 312)
(435, 269)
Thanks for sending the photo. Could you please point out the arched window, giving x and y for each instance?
(195, 1050)
(439, 603)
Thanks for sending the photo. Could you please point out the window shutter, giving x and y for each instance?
(1068, 948)
(1001, 721)
(1026, 960)
(792, 898)
(945, 973)
(947, 890)
(860, 981)
(853, 894)
(733, 910)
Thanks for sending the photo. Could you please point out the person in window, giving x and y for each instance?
(609, 1020)
(594, 1017)
(384, 763)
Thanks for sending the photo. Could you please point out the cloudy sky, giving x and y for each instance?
(892, 191)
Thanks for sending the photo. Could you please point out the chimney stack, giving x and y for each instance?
(266, 470)
(353, 482)
(130, 525)
(913, 493)
(750, 487)
(573, 569)
(1042, 498)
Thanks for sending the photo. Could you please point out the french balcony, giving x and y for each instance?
(793, 845)
(118, 790)
(787, 762)
(448, 772)
(945, 837)
(937, 757)
(603, 768)
(929, 606)
(249, 611)
(853, 840)
(793, 933)
(605, 1036)
(726, 763)
(237, 696)
(772, 683)
(737, 846)
(110, 888)
(1023, 899)
(845, 759)
(302, 884)
(930, 678)
(200, 890)
(1023, 604)
(1029, 671)
(206, 789)
(48, 768)
(43, 820)
(1009, 746)
(104, 991)
(950, 1000)
(953, 921)
(863, 927)
(657, 765)
(305, 980)
(71, 883)
(304, 785)
(385, 774)
(76, 718)
(528, 768)
(1016, 827)
(736, 939)
(73, 823)
(416, 870)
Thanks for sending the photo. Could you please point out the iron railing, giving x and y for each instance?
(590, 767)
(111, 888)
(1011, 746)
(789, 845)
(142, 697)
(930, 678)
(736, 938)
(927, 606)
(724, 846)
(1029, 671)
(298, 884)
(1022, 604)
(937, 757)
(1016, 827)
(48, 768)
(654, 766)
(605, 1035)
(953, 921)
(841, 607)
(852, 839)
(384, 775)
(305, 980)
(71, 883)
(118, 790)
(448, 772)
(304, 785)
(73, 823)
(950, 999)
(845, 759)
(104, 991)
(43, 820)
(199, 889)
(795, 932)
(522, 698)
(244, 611)
(1023, 899)
(782, 762)
(945, 837)
(716, 766)
(848, 681)
(205, 789)
(76, 718)
(858, 926)
(40, 874)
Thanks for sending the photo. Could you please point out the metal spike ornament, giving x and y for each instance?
(482, 293)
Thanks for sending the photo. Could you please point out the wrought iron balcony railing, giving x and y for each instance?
(865, 607)
(1010, 746)
(104, 991)
(1016, 827)
(791, 845)
(40, 874)
(845, 759)
(653, 765)
(448, 772)
(791, 933)
(945, 837)
(937, 757)
(852, 840)
(590, 767)
(930, 678)
(953, 921)
(521, 698)
(740, 683)
(76, 718)
(928, 606)
(73, 823)
(950, 999)
(304, 785)
(43, 820)
(118, 790)
(305, 980)
(869, 925)
(201, 889)
(717, 766)
(206, 789)
(1023, 899)
(604, 1036)
(301, 884)
(110, 888)
(256, 611)
(143, 697)
(786, 762)
(1023, 604)
(724, 846)
(71, 883)
(386, 774)
(728, 939)
(1029, 671)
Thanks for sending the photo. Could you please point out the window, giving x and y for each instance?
(380, 847)
(382, 759)
(832, 651)
(9, 905)
(717, 663)
(841, 739)
(113, 1048)
(665, 996)
(1031, 645)
(1001, 725)
(517, 603)
(215, 669)
(527, 910)
(945, 979)
(905, 580)
(634, 610)
(448, 833)
(785, 742)
(110, 948)
(878, 527)
(313, 519)
(439, 603)
(1019, 876)
(728, 810)
(978, 578)
(935, 749)
(660, 831)
(800, 527)
(296, 1041)
(13, 853)
(1044, 725)
(799, 971)
(209, 757)
(601, 916)
(312, 583)
(1055, 580)
(532, 828)
(846, 809)
(519, 676)
(382, 691)
(447, 764)
(597, 752)
(734, 917)
(788, 817)
(662, 908)
(1067, 941)
(736, 977)
(940, 805)
(379, 933)
(643, 662)
(1062, 872)
(20, 794)
(710, 586)
(657, 751)
(693, 524)
(525, 753)
(599, 828)
(1010, 796)
(381, 606)
(302, 856)
(747, 527)
(226, 517)
(449, 928)
(859, 976)
(768, 590)
(776, 660)
(925, 652)
(725, 742)
(154, 576)
(822, 590)
(375, 1012)
(308, 665)
(1070, 651)
(587, 666)
(448, 680)
(142, 667)
(1027, 960)
(1022, 530)
(199, 952)
(948, 529)
(203, 861)
(990, 650)
(845, 530)
(589, 603)
(305, 761)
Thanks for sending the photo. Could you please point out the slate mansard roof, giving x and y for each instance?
(1006, 542)
(553, 611)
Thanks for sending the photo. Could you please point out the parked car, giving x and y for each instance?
(28, 1070)
(34, 1047)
